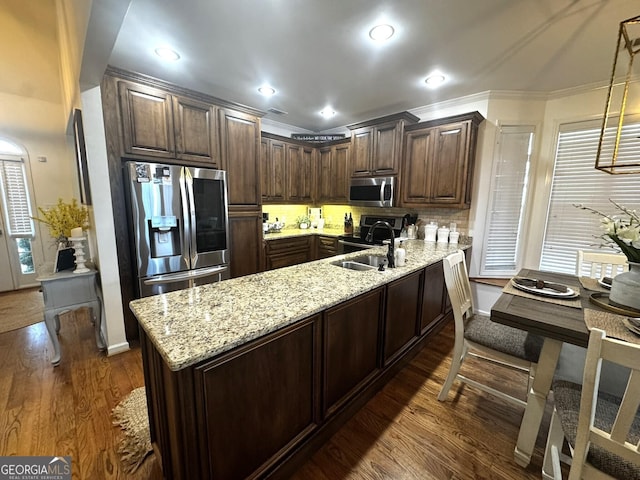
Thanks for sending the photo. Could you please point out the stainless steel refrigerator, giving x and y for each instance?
(179, 226)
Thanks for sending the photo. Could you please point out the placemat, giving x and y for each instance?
(610, 323)
(592, 284)
(573, 302)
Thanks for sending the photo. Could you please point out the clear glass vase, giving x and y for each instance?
(625, 288)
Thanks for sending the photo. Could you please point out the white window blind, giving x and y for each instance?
(576, 181)
(16, 198)
(507, 201)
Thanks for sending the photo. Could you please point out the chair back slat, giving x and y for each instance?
(458, 285)
(614, 441)
(600, 264)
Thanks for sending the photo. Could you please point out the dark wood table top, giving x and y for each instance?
(544, 318)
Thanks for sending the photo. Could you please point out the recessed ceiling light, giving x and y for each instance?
(327, 112)
(266, 90)
(435, 80)
(167, 53)
(381, 32)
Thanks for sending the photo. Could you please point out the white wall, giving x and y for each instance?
(106, 257)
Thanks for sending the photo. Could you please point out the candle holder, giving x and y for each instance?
(78, 252)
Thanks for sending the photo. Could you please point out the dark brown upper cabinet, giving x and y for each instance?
(333, 173)
(272, 159)
(158, 124)
(376, 145)
(438, 161)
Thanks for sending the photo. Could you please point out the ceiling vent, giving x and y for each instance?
(276, 111)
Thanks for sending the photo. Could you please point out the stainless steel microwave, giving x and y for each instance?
(371, 191)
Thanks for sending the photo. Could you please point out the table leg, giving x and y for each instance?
(536, 401)
(52, 322)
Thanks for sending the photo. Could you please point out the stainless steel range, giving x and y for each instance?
(357, 242)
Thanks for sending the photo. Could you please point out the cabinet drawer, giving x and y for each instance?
(286, 245)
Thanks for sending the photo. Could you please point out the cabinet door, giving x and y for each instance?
(147, 121)
(433, 297)
(240, 148)
(300, 173)
(401, 316)
(333, 174)
(417, 163)
(449, 161)
(287, 251)
(260, 402)
(340, 169)
(361, 151)
(196, 131)
(351, 353)
(273, 171)
(386, 149)
(245, 236)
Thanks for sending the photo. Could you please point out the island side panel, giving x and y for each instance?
(260, 401)
(172, 416)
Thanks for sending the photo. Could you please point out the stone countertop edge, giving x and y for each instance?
(303, 232)
(199, 323)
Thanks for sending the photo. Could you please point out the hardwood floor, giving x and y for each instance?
(402, 433)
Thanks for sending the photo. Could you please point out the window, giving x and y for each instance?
(576, 181)
(17, 207)
(500, 253)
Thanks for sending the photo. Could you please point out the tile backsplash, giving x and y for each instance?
(334, 215)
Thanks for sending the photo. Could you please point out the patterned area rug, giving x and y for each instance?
(131, 415)
(20, 308)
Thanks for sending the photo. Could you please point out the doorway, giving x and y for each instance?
(16, 225)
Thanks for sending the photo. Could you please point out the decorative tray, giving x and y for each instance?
(543, 288)
(602, 300)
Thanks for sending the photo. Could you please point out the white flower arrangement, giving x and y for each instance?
(621, 232)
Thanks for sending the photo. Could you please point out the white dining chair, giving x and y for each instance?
(600, 264)
(477, 336)
(602, 429)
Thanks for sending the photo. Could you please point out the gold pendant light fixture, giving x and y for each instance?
(620, 153)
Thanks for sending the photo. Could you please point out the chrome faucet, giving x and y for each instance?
(390, 253)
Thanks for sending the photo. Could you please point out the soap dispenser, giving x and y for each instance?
(400, 255)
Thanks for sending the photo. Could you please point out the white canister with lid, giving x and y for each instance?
(453, 237)
(430, 232)
(443, 235)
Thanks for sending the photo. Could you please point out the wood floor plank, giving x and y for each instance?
(404, 432)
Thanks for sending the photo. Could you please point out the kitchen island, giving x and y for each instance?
(247, 377)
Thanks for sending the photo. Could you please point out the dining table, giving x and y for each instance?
(559, 323)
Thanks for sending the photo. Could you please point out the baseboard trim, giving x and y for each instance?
(118, 348)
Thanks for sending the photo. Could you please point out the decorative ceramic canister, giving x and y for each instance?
(443, 235)
(430, 232)
(453, 237)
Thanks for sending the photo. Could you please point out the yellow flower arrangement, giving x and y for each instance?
(63, 217)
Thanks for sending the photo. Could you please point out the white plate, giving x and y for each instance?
(546, 292)
(630, 326)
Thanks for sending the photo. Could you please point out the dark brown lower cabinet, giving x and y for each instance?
(261, 409)
(434, 294)
(351, 346)
(259, 402)
(287, 251)
(401, 315)
(245, 235)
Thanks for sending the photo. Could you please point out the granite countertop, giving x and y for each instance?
(195, 324)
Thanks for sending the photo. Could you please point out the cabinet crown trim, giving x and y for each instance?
(396, 117)
(475, 117)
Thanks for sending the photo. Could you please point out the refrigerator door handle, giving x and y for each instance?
(192, 217)
(188, 275)
(186, 229)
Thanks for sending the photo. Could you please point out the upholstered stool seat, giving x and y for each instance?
(502, 338)
(566, 396)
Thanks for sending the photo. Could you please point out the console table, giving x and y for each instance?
(65, 291)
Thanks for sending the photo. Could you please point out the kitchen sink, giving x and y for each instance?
(362, 263)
